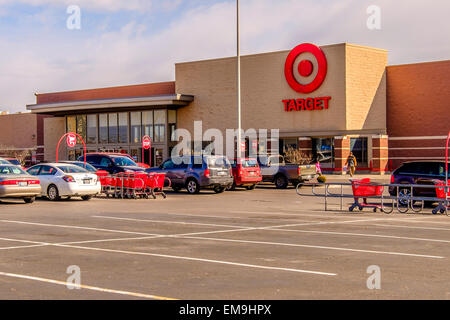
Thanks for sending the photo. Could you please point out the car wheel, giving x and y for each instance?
(219, 189)
(29, 200)
(252, 187)
(192, 186)
(281, 182)
(403, 194)
(232, 187)
(86, 198)
(53, 193)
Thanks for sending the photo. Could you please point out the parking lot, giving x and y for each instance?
(261, 244)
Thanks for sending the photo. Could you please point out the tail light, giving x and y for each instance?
(241, 173)
(207, 173)
(392, 179)
(16, 182)
(9, 182)
(299, 171)
(68, 179)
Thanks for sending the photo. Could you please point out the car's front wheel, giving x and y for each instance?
(53, 193)
(86, 198)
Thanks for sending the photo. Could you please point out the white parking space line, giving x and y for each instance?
(199, 260)
(172, 222)
(313, 247)
(209, 216)
(78, 227)
(363, 235)
(182, 258)
(411, 227)
(87, 287)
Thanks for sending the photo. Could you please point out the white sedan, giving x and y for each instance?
(65, 180)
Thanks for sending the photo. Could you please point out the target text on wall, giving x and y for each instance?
(308, 104)
(298, 67)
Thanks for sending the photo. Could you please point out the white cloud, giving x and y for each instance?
(411, 31)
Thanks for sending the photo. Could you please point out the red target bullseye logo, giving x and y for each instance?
(306, 68)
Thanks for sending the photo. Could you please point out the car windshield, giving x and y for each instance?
(11, 170)
(86, 166)
(123, 161)
(218, 162)
(14, 162)
(250, 163)
(71, 169)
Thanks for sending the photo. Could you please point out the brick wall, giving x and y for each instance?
(418, 111)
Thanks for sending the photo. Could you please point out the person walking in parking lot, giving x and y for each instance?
(351, 164)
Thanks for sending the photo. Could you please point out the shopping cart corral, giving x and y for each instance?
(133, 185)
(368, 194)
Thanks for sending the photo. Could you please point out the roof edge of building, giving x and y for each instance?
(418, 63)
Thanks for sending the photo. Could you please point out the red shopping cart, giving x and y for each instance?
(440, 193)
(363, 188)
(155, 184)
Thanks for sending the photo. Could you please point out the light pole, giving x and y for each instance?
(238, 82)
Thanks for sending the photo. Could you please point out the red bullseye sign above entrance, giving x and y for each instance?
(146, 143)
(305, 68)
(71, 140)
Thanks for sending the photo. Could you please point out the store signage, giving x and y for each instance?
(305, 68)
(309, 104)
(71, 140)
(146, 143)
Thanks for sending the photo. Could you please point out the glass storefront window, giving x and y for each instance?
(81, 127)
(91, 129)
(323, 150)
(135, 119)
(160, 125)
(172, 120)
(147, 123)
(103, 128)
(71, 124)
(359, 148)
(123, 127)
(112, 128)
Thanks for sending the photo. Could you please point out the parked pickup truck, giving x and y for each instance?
(275, 169)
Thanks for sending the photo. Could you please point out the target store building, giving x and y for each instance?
(326, 101)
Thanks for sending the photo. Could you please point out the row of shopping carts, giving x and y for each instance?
(133, 185)
(364, 189)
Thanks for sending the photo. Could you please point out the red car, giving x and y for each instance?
(246, 173)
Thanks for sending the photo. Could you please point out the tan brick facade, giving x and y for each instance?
(357, 92)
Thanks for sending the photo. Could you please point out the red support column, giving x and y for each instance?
(380, 154)
(341, 152)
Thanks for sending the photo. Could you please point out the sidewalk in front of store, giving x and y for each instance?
(346, 177)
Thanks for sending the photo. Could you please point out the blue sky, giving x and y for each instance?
(138, 41)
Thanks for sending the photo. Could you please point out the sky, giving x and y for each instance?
(124, 42)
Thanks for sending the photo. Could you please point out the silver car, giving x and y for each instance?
(16, 183)
(65, 180)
